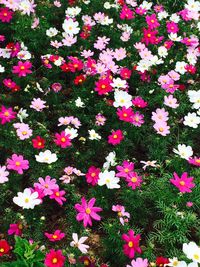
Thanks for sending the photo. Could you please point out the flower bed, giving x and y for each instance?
(100, 115)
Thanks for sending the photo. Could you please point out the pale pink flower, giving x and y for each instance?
(170, 101)
(38, 104)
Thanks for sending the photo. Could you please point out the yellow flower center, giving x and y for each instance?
(55, 236)
(55, 260)
(130, 244)
(134, 179)
(93, 174)
(197, 160)
(2, 250)
(196, 257)
(119, 214)
(86, 262)
(88, 210)
(115, 136)
(20, 226)
(6, 113)
(182, 183)
(22, 68)
(63, 139)
(24, 132)
(161, 129)
(103, 86)
(57, 194)
(26, 200)
(17, 163)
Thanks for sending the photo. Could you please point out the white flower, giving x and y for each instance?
(79, 103)
(27, 199)
(149, 164)
(192, 251)
(174, 37)
(51, 32)
(176, 263)
(198, 26)
(191, 120)
(162, 15)
(143, 65)
(175, 18)
(110, 160)
(118, 83)
(194, 97)
(146, 5)
(72, 132)
(180, 67)
(107, 5)
(46, 157)
(93, 135)
(22, 114)
(2, 69)
(71, 27)
(193, 5)
(79, 243)
(73, 11)
(108, 178)
(185, 152)
(162, 51)
(122, 99)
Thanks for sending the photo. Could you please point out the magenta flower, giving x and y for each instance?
(137, 119)
(132, 244)
(152, 21)
(15, 229)
(47, 185)
(92, 176)
(133, 180)
(5, 14)
(116, 137)
(183, 183)
(87, 211)
(194, 161)
(56, 236)
(125, 169)
(22, 69)
(63, 140)
(58, 196)
(6, 114)
(17, 163)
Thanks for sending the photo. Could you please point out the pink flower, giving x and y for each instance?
(132, 244)
(7, 114)
(149, 36)
(189, 204)
(123, 215)
(170, 87)
(15, 229)
(172, 27)
(54, 258)
(194, 161)
(56, 236)
(63, 140)
(152, 21)
(139, 102)
(38, 104)
(23, 130)
(125, 114)
(22, 68)
(100, 119)
(174, 75)
(160, 115)
(58, 196)
(103, 86)
(17, 163)
(125, 169)
(116, 137)
(3, 174)
(133, 180)
(162, 128)
(125, 73)
(5, 14)
(47, 185)
(87, 211)
(170, 101)
(92, 175)
(139, 262)
(183, 183)
(126, 13)
(137, 119)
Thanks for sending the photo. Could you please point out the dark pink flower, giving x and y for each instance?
(132, 244)
(116, 137)
(22, 68)
(7, 114)
(17, 163)
(56, 236)
(54, 258)
(183, 183)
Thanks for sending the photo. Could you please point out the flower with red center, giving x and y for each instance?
(15, 229)
(125, 114)
(17, 163)
(5, 14)
(58, 196)
(65, 67)
(116, 137)
(103, 86)
(92, 175)
(63, 140)
(194, 161)
(79, 79)
(149, 36)
(183, 183)
(125, 169)
(152, 21)
(75, 64)
(7, 114)
(139, 102)
(9, 83)
(22, 68)
(133, 180)
(87, 211)
(168, 44)
(14, 47)
(132, 244)
(54, 258)
(87, 261)
(38, 142)
(125, 73)
(4, 247)
(56, 236)
(191, 69)
(161, 261)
